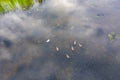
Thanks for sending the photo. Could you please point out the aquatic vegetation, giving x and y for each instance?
(10, 5)
(112, 36)
(60, 40)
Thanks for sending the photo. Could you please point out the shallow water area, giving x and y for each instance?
(61, 40)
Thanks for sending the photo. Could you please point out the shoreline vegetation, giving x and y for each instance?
(11, 5)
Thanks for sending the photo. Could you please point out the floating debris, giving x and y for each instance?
(112, 36)
(67, 56)
(75, 42)
(57, 49)
(72, 48)
(48, 40)
(80, 45)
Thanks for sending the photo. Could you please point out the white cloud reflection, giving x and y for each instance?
(24, 35)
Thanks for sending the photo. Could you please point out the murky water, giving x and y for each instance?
(61, 40)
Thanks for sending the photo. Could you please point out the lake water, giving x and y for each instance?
(61, 40)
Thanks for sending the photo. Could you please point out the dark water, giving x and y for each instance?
(61, 40)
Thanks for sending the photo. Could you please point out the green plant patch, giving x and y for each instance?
(10, 5)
